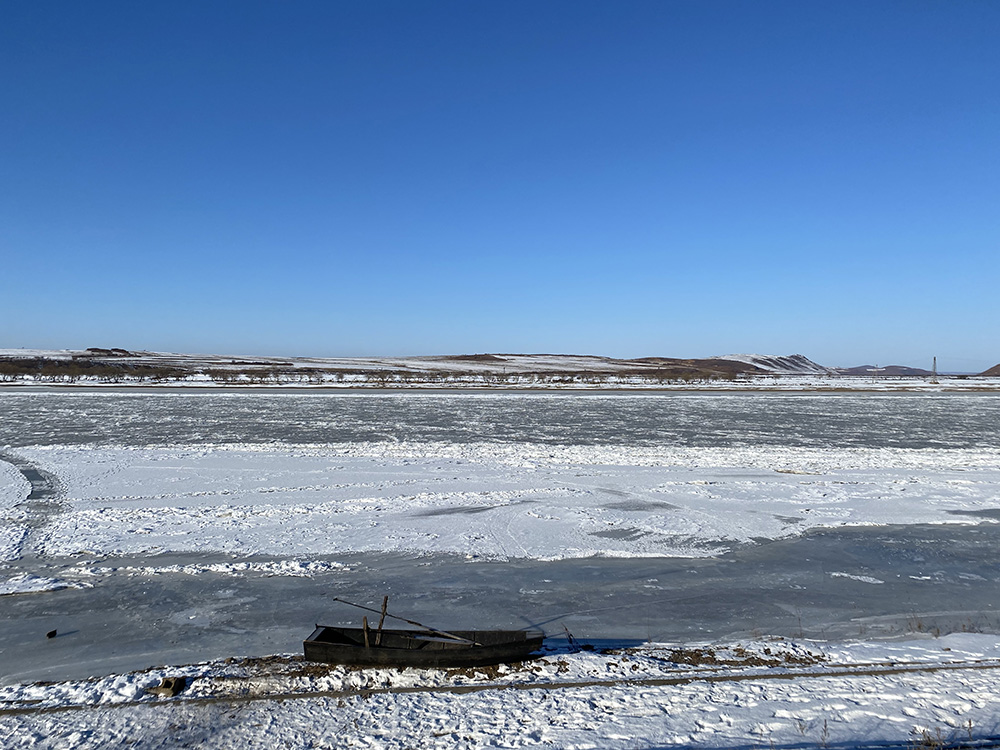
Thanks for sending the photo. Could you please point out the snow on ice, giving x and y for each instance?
(527, 501)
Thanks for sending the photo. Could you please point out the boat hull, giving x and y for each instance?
(417, 648)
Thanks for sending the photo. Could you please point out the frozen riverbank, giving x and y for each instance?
(771, 693)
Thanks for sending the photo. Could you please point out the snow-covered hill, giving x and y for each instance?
(458, 363)
(793, 364)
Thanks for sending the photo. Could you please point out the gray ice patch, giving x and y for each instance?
(993, 513)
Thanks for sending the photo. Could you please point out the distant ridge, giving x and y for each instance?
(485, 368)
(491, 368)
(993, 372)
(891, 370)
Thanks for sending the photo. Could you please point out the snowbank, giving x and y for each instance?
(757, 694)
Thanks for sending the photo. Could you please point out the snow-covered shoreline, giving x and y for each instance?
(768, 692)
(475, 384)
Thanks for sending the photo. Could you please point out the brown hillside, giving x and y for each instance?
(993, 372)
(710, 365)
(724, 368)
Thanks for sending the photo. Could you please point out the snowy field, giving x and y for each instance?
(191, 506)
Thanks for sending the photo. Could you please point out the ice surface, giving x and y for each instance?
(181, 608)
(155, 418)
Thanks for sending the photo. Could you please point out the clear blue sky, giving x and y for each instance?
(622, 178)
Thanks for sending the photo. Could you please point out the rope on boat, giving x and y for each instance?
(442, 633)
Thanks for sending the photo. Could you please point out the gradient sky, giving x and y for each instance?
(622, 178)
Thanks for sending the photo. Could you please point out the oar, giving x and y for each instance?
(441, 633)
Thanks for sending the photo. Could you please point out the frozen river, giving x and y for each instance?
(57, 417)
(171, 527)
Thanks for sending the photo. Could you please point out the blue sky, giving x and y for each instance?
(620, 178)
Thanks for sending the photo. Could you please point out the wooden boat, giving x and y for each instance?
(420, 648)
